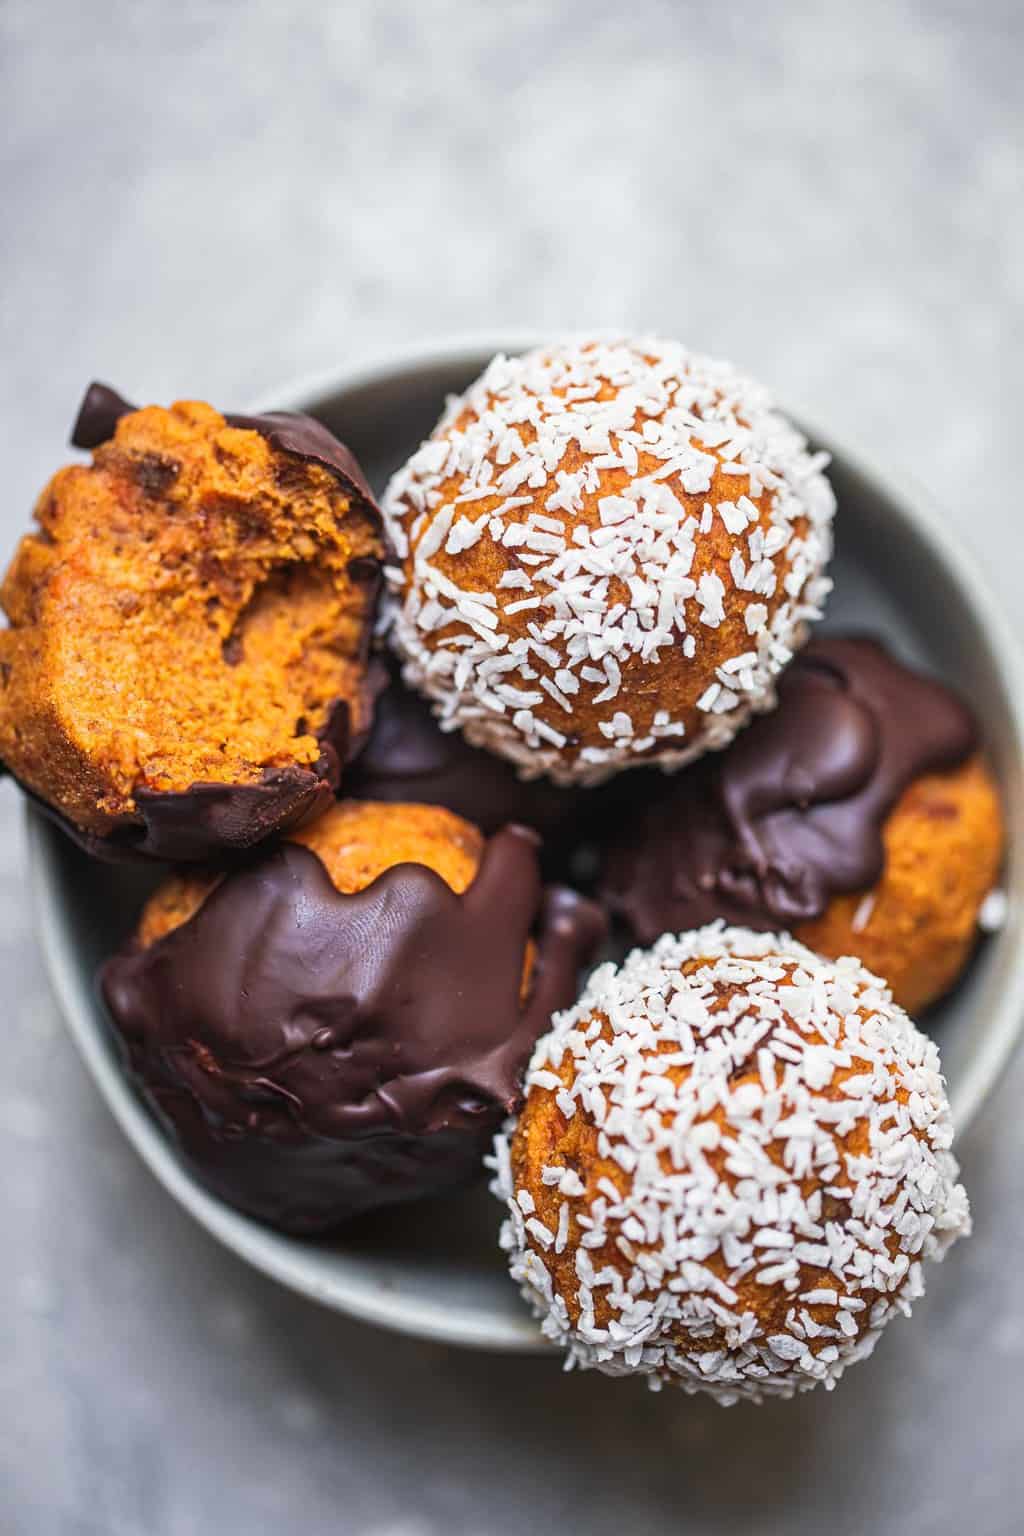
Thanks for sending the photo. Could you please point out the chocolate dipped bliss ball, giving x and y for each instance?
(859, 814)
(605, 553)
(342, 1025)
(184, 673)
(733, 1160)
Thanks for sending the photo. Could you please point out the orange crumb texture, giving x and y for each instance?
(184, 614)
(917, 927)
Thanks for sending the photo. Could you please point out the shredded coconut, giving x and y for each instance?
(862, 914)
(779, 1121)
(629, 427)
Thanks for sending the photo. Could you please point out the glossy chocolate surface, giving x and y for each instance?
(319, 1054)
(765, 833)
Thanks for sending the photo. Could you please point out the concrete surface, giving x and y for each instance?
(210, 198)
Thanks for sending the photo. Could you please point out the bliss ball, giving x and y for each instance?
(859, 815)
(341, 1025)
(733, 1159)
(604, 555)
(184, 672)
(919, 925)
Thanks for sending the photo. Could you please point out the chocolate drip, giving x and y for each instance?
(409, 758)
(792, 813)
(321, 1054)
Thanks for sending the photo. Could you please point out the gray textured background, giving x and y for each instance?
(210, 198)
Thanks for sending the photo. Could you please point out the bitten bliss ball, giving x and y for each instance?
(733, 1158)
(185, 669)
(604, 555)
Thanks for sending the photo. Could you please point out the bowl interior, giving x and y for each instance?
(435, 1269)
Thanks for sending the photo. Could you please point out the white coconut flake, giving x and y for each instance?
(735, 1166)
(993, 911)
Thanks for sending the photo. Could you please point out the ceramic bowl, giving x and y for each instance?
(436, 1270)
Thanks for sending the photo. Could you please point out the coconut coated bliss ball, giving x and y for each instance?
(733, 1159)
(604, 555)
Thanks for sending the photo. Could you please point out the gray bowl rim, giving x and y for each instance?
(282, 1259)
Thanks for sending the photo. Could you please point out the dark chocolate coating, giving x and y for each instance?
(99, 413)
(205, 821)
(222, 821)
(212, 820)
(319, 1055)
(409, 758)
(765, 833)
